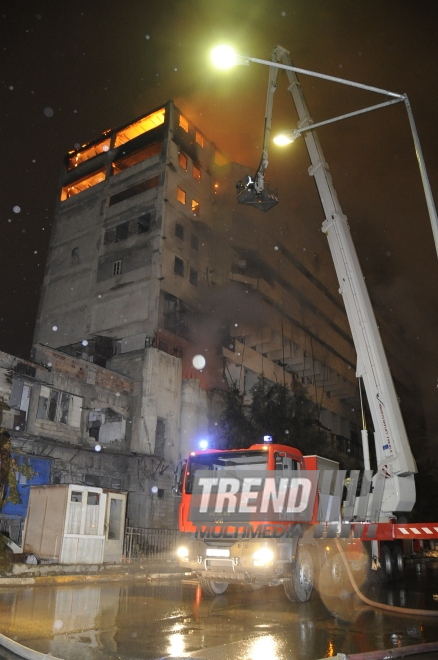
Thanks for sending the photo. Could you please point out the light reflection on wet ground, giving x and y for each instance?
(140, 620)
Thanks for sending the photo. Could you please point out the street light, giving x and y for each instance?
(225, 57)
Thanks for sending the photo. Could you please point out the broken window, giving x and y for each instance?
(199, 138)
(83, 184)
(181, 195)
(194, 242)
(64, 406)
(182, 160)
(195, 207)
(106, 425)
(184, 123)
(193, 276)
(137, 157)
(19, 404)
(144, 223)
(134, 190)
(78, 157)
(139, 127)
(117, 267)
(52, 405)
(59, 407)
(196, 172)
(178, 267)
(122, 231)
(179, 230)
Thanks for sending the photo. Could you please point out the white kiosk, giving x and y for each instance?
(71, 524)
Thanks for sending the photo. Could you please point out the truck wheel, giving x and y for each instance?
(212, 588)
(333, 578)
(398, 562)
(300, 586)
(386, 564)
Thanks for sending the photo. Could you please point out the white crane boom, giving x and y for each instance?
(395, 462)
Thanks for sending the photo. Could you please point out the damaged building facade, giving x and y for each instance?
(71, 420)
(152, 262)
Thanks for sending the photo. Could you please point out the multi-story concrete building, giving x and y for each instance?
(152, 262)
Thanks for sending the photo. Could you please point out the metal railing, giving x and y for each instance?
(150, 543)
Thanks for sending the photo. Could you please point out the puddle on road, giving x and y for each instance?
(144, 620)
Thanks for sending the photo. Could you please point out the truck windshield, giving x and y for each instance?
(250, 460)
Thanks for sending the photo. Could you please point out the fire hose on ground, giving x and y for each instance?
(385, 654)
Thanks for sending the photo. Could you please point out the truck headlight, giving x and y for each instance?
(262, 557)
(183, 553)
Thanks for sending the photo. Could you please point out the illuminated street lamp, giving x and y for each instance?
(225, 57)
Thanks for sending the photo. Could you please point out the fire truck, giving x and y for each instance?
(370, 531)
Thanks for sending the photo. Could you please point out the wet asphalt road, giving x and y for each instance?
(140, 620)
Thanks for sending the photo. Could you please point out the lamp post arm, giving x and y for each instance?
(349, 114)
(342, 81)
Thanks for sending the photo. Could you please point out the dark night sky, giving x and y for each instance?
(99, 64)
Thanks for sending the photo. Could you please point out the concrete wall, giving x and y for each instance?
(194, 416)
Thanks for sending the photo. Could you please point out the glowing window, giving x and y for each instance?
(184, 123)
(181, 195)
(182, 160)
(141, 126)
(199, 139)
(82, 184)
(81, 156)
(195, 207)
(196, 173)
(137, 157)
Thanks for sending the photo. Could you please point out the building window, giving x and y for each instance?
(182, 160)
(59, 407)
(144, 223)
(181, 195)
(194, 242)
(85, 154)
(178, 267)
(193, 277)
(196, 173)
(195, 207)
(117, 267)
(134, 190)
(179, 230)
(141, 126)
(137, 157)
(184, 123)
(83, 184)
(199, 139)
(122, 232)
(160, 435)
